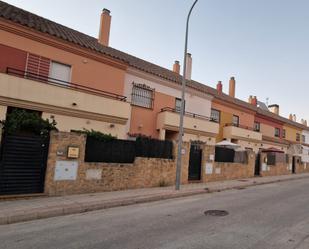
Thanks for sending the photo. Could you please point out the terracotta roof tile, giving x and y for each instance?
(38, 23)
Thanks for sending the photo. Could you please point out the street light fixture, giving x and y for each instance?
(179, 151)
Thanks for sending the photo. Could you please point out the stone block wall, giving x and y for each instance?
(218, 171)
(97, 177)
(284, 168)
(300, 167)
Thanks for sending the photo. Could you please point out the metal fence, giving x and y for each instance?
(125, 151)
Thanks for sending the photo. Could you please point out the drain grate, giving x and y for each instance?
(216, 213)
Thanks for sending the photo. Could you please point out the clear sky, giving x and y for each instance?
(263, 43)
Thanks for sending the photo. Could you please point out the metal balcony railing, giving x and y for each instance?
(190, 114)
(241, 126)
(57, 82)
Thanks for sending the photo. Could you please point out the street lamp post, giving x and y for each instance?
(179, 151)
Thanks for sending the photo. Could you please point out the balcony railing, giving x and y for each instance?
(190, 114)
(58, 82)
(242, 126)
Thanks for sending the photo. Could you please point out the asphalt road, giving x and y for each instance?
(261, 217)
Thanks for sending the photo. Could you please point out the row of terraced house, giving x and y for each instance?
(83, 83)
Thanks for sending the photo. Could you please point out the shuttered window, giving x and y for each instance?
(60, 73)
(142, 95)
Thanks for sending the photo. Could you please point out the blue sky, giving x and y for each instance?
(263, 43)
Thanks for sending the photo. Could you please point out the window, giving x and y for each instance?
(303, 138)
(297, 137)
(60, 73)
(235, 120)
(257, 126)
(142, 95)
(283, 133)
(215, 115)
(277, 132)
(178, 105)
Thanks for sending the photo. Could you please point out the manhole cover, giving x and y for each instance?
(216, 213)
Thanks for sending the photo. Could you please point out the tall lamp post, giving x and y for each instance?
(179, 151)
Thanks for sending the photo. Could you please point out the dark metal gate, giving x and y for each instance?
(195, 162)
(257, 169)
(23, 164)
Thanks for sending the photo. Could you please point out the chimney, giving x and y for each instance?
(254, 101)
(274, 109)
(232, 87)
(105, 25)
(305, 123)
(294, 118)
(176, 67)
(189, 66)
(291, 117)
(219, 87)
(250, 99)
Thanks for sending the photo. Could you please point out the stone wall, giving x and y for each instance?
(96, 177)
(217, 171)
(300, 167)
(284, 168)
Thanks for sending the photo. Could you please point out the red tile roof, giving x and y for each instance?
(38, 23)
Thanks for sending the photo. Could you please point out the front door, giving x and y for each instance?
(195, 162)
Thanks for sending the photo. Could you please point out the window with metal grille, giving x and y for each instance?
(297, 137)
(142, 95)
(215, 115)
(235, 120)
(257, 126)
(178, 105)
(283, 133)
(277, 132)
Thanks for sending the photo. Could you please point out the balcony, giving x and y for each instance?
(18, 88)
(241, 132)
(168, 119)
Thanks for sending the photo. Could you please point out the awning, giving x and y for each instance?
(227, 144)
(272, 149)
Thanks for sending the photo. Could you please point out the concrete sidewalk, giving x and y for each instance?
(12, 211)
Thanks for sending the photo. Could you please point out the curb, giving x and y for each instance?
(76, 208)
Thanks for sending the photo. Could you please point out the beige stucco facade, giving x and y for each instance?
(241, 133)
(68, 123)
(194, 128)
(72, 109)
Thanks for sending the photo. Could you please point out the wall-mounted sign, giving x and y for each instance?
(183, 151)
(94, 174)
(208, 168)
(264, 166)
(66, 170)
(73, 152)
(218, 171)
(211, 157)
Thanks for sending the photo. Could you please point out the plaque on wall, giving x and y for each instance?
(73, 152)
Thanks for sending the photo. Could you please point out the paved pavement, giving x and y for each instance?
(12, 211)
(271, 216)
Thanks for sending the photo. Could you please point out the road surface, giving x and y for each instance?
(261, 217)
